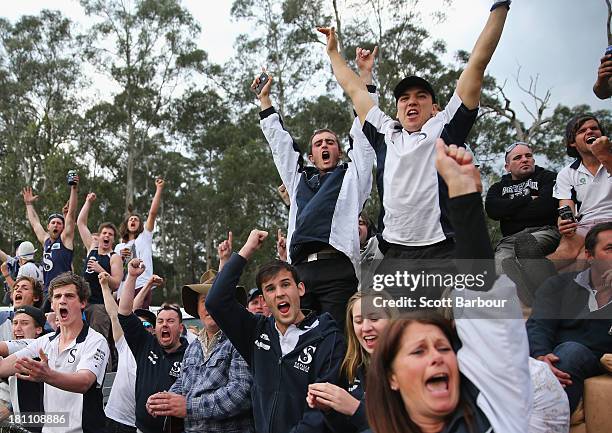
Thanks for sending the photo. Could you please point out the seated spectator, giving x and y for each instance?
(72, 360)
(325, 201)
(213, 391)
(603, 85)
(586, 187)
(137, 240)
(158, 358)
(26, 396)
(417, 381)
(303, 348)
(58, 239)
(572, 316)
(344, 406)
(522, 202)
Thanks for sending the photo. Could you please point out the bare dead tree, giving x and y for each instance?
(536, 109)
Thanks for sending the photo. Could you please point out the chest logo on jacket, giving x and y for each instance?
(175, 371)
(521, 190)
(260, 344)
(153, 357)
(305, 359)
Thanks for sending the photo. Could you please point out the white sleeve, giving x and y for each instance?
(17, 345)
(362, 155)
(495, 355)
(94, 358)
(32, 349)
(284, 151)
(563, 186)
(380, 121)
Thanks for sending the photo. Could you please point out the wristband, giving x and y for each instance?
(498, 3)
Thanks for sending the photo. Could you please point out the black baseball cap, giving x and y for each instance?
(147, 314)
(410, 82)
(34, 313)
(253, 293)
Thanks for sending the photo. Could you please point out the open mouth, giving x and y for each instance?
(105, 242)
(283, 308)
(591, 139)
(165, 334)
(370, 341)
(411, 114)
(325, 155)
(437, 384)
(19, 337)
(63, 313)
(18, 297)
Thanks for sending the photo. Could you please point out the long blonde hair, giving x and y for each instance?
(356, 356)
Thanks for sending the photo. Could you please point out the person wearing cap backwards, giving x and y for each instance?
(213, 391)
(26, 396)
(27, 267)
(158, 357)
(72, 361)
(58, 239)
(324, 201)
(414, 199)
(287, 351)
(585, 186)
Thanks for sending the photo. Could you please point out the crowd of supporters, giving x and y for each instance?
(317, 346)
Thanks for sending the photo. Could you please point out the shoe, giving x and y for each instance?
(532, 259)
(513, 270)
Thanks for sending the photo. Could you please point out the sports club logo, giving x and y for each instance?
(305, 358)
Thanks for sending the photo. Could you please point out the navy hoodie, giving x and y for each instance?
(280, 383)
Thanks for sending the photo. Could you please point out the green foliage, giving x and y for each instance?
(166, 110)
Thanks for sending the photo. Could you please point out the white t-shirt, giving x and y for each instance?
(121, 405)
(30, 269)
(89, 351)
(593, 194)
(143, 245)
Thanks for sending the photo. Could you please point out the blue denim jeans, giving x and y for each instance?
(580, 363)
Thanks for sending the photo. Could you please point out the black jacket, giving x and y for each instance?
(509, 201)
(156, 370)
(358, 422)
(280, 383)
(561, 313)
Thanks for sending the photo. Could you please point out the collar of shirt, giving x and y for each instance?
(292, 335)
(208, 344)
(583, 279)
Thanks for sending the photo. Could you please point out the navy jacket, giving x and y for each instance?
(560, 313)
(280, 383)
(358, 422)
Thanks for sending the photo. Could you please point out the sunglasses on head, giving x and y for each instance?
(147, 325)
(513, 145)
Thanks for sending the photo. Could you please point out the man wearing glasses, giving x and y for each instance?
(58, 239)
(158, 357)
(522, 202)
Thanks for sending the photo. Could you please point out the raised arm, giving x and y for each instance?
(3, 256)
(110, 305)
(224, 250)
(470, 81)
(135, 268)
(159, 188)
(29, 198)
(350, 82)
(603, 85)
(68, 232)
(82, 221)
(154, 281)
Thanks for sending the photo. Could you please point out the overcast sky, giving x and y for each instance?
(561, 40)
